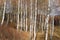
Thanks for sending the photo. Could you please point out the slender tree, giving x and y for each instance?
(21, 14)
(35, 19)
(3, 12)
(18, 15)
(46, 25)
(31, 25)
(26, 16)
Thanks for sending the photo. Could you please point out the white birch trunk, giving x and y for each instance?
(31, 25)
(26, 16)
(18, 15)
(3, 12)
(21, 15)
(46, 24)
(35, 19)
(24, 13)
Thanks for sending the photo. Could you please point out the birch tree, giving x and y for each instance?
(18, 15)
(35, 19)
(3, 12)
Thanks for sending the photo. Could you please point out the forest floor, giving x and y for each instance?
(9, 33)
(56, 34)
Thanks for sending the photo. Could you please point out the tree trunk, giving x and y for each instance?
(3, 13)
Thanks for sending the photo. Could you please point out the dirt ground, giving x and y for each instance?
(10, 33)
